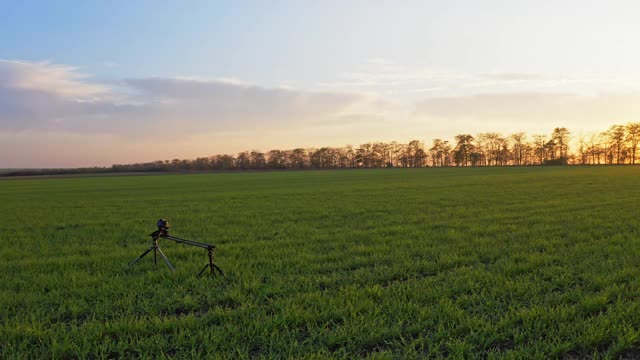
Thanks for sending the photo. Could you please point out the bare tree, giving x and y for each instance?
(415, 154)
(298, 158)
(440, 152)
(540, 147)
(258, 160)
(583, 151)
(493, 146)
(633, 138)
(518, 147)
(463, 149)
(616, 136)
(560, 137)
(276, 159)
(243, 161)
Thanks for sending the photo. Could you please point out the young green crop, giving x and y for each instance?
(394, 263)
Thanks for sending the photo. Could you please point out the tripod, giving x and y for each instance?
(165, 235)
(210, 265)
(156, 249)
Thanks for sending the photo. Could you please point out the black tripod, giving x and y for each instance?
(210, 265)
(156, 249)
(165, 235)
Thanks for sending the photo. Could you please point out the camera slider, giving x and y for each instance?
(165, 235)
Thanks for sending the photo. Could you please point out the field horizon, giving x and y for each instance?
(241, 171)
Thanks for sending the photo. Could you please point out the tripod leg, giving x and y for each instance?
(155, 255)
(209, 265)
(203, 269)
(166, 260)
(217, 268)
(141, 256)
(212, 265)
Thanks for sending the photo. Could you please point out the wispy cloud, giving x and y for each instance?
(45, 77)
(378, 72)
(50, 97)
(512, 76)
(384, 76)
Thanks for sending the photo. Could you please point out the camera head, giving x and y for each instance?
(162, 224)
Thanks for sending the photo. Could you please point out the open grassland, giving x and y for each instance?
(402, 263)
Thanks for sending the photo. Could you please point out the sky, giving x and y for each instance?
(93, 83)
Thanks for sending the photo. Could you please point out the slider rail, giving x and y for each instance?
(188, 242)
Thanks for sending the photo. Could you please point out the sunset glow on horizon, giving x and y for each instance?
(93, 84)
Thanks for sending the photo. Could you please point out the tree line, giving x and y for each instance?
(617, 145)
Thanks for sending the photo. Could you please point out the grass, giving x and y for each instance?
(398, 263)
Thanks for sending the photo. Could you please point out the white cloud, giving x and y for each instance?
(385, 73)
(49, 97)
(386, 77)
(510, 76)
(58, 80)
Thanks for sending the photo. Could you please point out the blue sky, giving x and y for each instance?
(261, 41)
(82, 78)
(142, 37)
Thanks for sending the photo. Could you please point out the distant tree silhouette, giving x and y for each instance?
(560, 138)
(298, 158)
(633, 138)
(617, 150)
(519, 148)
(440, 151)
(243, 161)
(257, 160)
(463, 149)
(277, 159)
(617, 145)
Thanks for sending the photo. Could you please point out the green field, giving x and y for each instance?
(399, 263)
